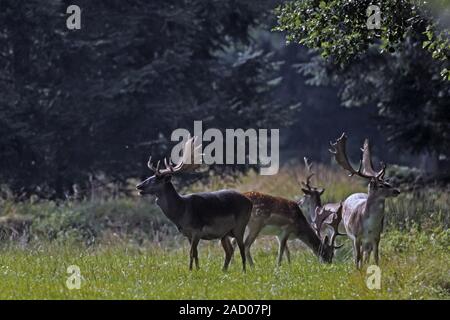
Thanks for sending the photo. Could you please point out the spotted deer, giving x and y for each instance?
(363, 213)
(199, 216)
(287, 218)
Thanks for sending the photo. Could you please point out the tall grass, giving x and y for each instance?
(140, 220)
(127, 249)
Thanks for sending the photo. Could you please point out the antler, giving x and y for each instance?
(334, 224)
(310, 174)
(331, 217)
(152, 167)
(192, 158)
(340, 154)
(308, 165)
(321, 215)
(367, 167)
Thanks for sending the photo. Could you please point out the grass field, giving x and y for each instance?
(410, 268)
(125, 249)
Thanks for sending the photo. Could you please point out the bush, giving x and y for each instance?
(92, 221)
(139, 220)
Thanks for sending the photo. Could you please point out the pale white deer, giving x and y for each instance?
(363, 213)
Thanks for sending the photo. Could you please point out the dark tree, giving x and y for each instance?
(76, 103)
(401, 69)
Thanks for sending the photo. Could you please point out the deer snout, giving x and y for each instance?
(141, 187)
(396, 192)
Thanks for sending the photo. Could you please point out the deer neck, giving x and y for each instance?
(170, 202)
(309, 237)
(311, 209)
(316, 203)
(375, 204)
(315, 243)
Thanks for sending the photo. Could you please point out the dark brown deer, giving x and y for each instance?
(363, 213)
(289, 220)
(199, 216)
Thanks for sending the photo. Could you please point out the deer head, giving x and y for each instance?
(332, 219)
(311, 198)
(377, 184)
(190, 161)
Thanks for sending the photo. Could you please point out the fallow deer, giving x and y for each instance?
(209, 215)
(287, 217)
(312, 195)
(363, 213)
(325, 219)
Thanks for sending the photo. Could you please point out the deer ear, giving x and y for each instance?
(305, 191)
(321, 191)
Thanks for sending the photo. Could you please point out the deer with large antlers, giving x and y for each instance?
(209, 215)
(363, 213)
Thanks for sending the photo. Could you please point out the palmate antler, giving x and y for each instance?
(334, 224)
(332, 218)
(365, 169)
(192, 159)
(367, 166)
(320, 217)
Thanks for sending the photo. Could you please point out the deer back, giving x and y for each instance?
(353, 209)
(268, 206)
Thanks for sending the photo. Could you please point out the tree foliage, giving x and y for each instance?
(78, 102)
(338, 28)
(411, 99)
(401, 68)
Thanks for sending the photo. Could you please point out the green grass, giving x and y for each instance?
(126, 249)
(413, 267)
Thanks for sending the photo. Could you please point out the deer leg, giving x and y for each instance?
(226, 244)
(196, 258)
(242, 251)
(282, 239)
(364, 252)
(365, 256)
(194, 253)
(357, 252)
(254, 230)
(375, 252)
(233, 244)
(367, 253)
(288, 253)
(239, 236)
(359, 256)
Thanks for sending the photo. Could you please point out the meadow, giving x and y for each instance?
(126, 249)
